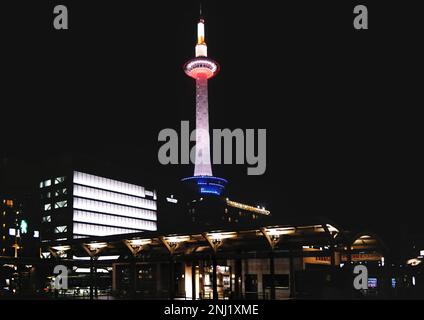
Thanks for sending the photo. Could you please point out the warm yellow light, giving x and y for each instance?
(247, 207)
(222, 235)
(177, 239)
(97, 245)
(331, 228)
(61, 248)
(413, 262)
(279, 231)
(201, 32)
(140, 242)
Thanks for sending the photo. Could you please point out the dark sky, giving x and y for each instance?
(341, 107)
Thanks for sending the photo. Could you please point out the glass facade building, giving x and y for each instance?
(81, 205)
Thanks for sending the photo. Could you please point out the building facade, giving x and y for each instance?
(19, 234)
(80, 205)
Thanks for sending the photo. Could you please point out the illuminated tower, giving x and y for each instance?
(201, 68)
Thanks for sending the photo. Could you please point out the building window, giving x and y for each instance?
(45, 183)
(46, 196)
(61, 192)
(36, 234)
(61, 229)
(59, 180)
(47, 207)
(47, 219)
(12, 232)
(61, 204)
(9, 203)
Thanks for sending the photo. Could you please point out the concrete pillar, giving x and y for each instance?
(171, 278)
(91, 278)
(214, 278)
(133, 278)
(193, 280)
(238, 276)
(272, 273)
(292, 275)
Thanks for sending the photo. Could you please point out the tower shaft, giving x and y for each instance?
(203, 155)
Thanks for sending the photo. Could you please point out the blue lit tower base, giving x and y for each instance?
(206, 185)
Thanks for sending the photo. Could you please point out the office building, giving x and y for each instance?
(79, 205)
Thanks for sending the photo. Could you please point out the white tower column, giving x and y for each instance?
(203, 155)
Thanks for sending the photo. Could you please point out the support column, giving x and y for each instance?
(114, 287)
(96, 282)
(272, 273)
(238, 276)
(193, 280)
(214, 278)
(91, 278)
(133, 278)
(333, 255)
(292, 275)
(159, 281)
(171, 278)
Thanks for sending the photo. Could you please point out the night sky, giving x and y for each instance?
(341, 107)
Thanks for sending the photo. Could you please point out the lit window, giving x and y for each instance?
(48, 195)
(12, 232)
(9, 203)
(59, 180)
(47, 219)
(61, 192)
(47, 206)
(61, 229)
(46, 183)
(36, 234)
(61, 204)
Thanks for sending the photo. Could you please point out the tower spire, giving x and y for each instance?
(201, 47)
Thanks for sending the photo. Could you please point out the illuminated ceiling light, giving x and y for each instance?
(279, 231)
(62, 248)
(99, 258)
(171, 199)
(246, 207)
(140, 242)
(97, 245)
(332, 229)
(413, 262)
(221, 235)
(177, 239)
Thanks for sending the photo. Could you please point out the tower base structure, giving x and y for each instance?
(206, 185)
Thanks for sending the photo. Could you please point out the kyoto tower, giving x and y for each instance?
(201, 69)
